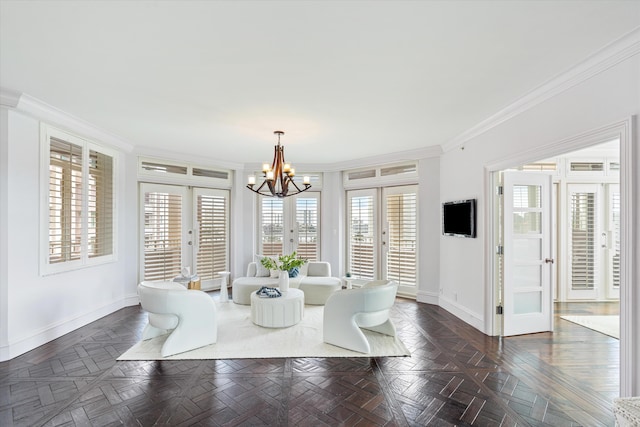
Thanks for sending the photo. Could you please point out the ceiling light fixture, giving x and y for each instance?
(278, 176)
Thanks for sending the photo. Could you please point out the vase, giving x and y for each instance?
(283, 281)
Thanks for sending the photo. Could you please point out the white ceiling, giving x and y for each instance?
(343, 79)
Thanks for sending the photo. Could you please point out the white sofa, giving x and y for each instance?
(189, 315)
(314, 280)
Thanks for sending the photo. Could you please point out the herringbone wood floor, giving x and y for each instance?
(455, 376)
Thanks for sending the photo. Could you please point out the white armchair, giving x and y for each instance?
(190, 316)
(346, 311)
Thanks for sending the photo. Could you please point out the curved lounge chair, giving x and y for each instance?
(190, 316)
(346, 311)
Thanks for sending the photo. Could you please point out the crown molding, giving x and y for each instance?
(9, 98)
(47, 113)
(195, 159)
(609, 56)
(383, 159)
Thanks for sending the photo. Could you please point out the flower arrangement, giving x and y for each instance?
(288, 263)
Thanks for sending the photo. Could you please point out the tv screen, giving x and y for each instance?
(459, 218)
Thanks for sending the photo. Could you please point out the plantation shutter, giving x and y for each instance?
(272, 226)
(212, 216)
(307, 227)
(615, 213)
(402, 237)
(162, 235)
(583, 240)
(65, 201)
(361, 219)
(100, 205)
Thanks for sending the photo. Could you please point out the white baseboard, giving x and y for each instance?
(62, 327)
(464, 314)
(427, 297)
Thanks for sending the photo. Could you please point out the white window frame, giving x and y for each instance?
(189, 177)
(46, 133)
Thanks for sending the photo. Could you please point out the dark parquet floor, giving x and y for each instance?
(455, 376)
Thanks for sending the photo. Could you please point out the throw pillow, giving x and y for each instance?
(261, 270)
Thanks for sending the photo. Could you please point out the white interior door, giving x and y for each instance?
(528, 262)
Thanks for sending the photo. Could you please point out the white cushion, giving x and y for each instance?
(261, 270)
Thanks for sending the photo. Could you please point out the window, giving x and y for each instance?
(77, 200)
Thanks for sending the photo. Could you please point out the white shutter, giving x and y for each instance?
(402, 237)
(100, 205)
(162, 235)
(583, 240)
(212, 215)
(271, 226)
(307, 226)
(615, 218)
(362, 252)
(65, 201)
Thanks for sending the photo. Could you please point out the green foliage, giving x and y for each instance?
(284, 263)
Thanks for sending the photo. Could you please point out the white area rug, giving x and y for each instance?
(608, 325)
(239, 338)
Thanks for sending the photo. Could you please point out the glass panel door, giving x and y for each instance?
(307, 229)
(271, 226)
(211, 225)
(362, 253)
(612, 241)
(184, 227)
(584, 240)
(290, 224)
(527, 253)
(400, 237)
(164, 227)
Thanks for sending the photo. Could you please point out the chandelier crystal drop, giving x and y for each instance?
(278, 178)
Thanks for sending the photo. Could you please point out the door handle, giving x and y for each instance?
(549, 260)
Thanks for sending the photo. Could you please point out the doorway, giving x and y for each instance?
(182, 227)
(585, 234)
(383, 236)
(622, 132)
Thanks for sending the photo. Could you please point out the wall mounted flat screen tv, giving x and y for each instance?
(459, 218)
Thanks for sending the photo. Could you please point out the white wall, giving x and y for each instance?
(609, 96)
(39, 308)
(429, 230)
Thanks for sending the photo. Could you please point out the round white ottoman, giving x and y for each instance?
(280, 312)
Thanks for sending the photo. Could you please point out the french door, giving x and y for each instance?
(184, 227)
(594, 241)
(528, 262)
(290, 224)
(383, 236)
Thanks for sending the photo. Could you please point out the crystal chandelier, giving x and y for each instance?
(278, 178)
